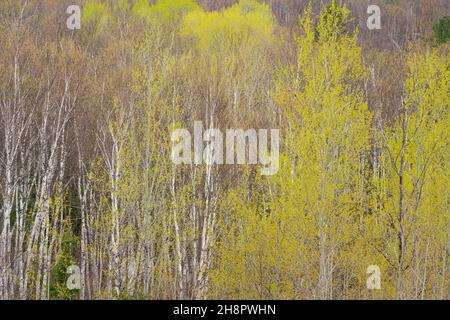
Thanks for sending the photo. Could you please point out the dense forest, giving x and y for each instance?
(88, 185)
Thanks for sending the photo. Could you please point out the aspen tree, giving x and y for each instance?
(411, 230)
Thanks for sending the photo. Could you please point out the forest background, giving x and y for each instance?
(86, 177)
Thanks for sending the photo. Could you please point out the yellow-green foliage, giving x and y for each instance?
(141, 8)
(166, 11)
(171, 8)
(412, 217)
(243, 22)
(97, 13)
(302, 226)
(227, 51)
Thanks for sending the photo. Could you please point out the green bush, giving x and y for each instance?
(441, 30)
